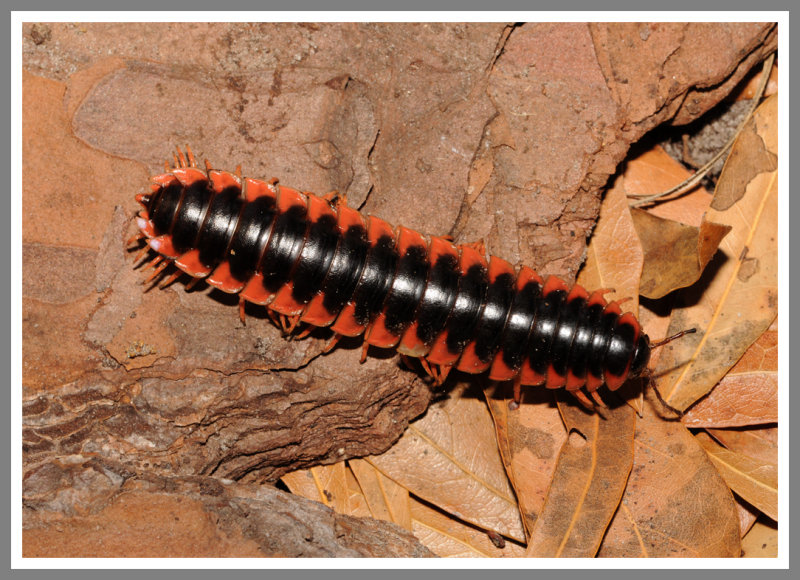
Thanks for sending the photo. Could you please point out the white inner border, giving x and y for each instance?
(17, 561)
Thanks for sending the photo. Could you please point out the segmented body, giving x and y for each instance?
(320, 262)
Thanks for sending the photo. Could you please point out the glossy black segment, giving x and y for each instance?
(189, 219)
(565, 334)
(467, 308)
(220, 223)
(164, 205)
(407, 288)
(641, 358)
(376, 280)
(315, 259)
(585, 324)
(620, 349)
(515, 338)
(284, 247)
(346, 268)
(600, 340)
(251, 237)
(493, 317)
(438, 299)
(544, 330)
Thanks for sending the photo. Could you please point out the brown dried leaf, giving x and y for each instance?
(761, 541)
(450, 538)
(747, 395)
(614, 256)
(738, 299)
(357, 488)
(676, 504)
(450, 459)
(332, 485)
(753, 479)
(529, 439)
(758, 443)
(675, 254)
(747, 515)
(386, 499)
(588, 483)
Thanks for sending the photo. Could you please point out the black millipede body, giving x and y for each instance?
(313, 259)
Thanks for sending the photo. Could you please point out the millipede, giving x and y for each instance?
(313, 259)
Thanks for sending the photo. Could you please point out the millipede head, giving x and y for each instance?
(641, 356)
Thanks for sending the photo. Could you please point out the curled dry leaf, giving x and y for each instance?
(754, 479)
(676, 504)
(747, 395)
(677, 245)
(738, 298)
(675, 254)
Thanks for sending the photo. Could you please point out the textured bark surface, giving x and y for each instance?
(95, 508)
(505, 133)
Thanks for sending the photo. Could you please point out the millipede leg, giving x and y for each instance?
(335, 198)
(442, 372)
(192, 282)
(157, 271)
(364, 350)
(479, 246)
(155, 262)
(181, 157)
(241, 310)
(427, 367)
(139, 236)
(274, 317)
(582, 398)
(517, 400)
(332, 343)
(192, 162)
(407, 361)
(305, 332)
(292, 322)
(596, 396)
(139, 256)
(174, 276)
